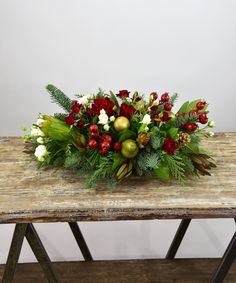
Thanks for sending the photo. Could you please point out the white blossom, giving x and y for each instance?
(103, 118)
(211, 124)
(40, 140)
(106, 127)
(40, 122)
(112, 118)
(41, 152)
(36, 132)
(84, 99)
(146, 119)
(210, 134)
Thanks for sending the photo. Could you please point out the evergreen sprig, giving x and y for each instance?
(179, 121)
(59, 97)
(60, 116)
(155, 142)
(176, 166)
(173, 98)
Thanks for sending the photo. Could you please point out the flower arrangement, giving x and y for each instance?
(112, 136)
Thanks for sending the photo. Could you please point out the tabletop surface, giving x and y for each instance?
(31, 195)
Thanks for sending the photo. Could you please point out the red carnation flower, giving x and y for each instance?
(70, 119)
(102, 103)
(126, 110)
(81, 124)
(169, 145)
(75, 108)
(123, 93)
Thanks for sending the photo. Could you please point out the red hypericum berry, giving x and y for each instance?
(154, 95)
(103, 151)
(165, 117)
(165, 97)
(70, 119)
(204, 121)
(194, 127)
(154, 107)
(192, 112)
(106, 138)
(105, 145)
(94, 135)
(93, 128)
(168, 106)
(200, 105)
(81, 124)
(116, 146)
(202, 115)
(188, 126)
(92, 144)
(137, 99)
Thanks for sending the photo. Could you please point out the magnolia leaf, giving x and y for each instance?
(173, 132)
(127, 134)
(183, 108)
(114, 99)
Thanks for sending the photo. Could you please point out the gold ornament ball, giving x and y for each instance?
(121, 123)
(129, 148)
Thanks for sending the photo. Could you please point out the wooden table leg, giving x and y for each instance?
(178, 238)
(80, 241)
(14, 252)
(227, 259)
(41, 254)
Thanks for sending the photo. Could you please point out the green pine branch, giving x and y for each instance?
(179, 121)
(173, 98)
(59, 97)
(60, 116)
(176, 166)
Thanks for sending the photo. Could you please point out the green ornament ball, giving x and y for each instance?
(129, 148)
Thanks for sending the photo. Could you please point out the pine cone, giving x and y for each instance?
(184, 139)
(143, 139)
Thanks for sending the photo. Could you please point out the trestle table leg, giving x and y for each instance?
(41, 254)
(227, 259)
(80, 241)
(14, 252)
(178, 238)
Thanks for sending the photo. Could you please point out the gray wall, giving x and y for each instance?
(184, 46)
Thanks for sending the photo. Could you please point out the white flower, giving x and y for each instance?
(112, 118)
(41, 152)
(40, 122)
(40, 140)
(103, 118)
(210, 134)
(211, 124)
(84, 99)
(146, 119)
(106, 127)
(36, 132)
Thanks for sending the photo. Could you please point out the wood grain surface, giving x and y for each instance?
(31, 195)
(126, 271)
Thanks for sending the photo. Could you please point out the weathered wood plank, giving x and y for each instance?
(138, 271)
(31, 195)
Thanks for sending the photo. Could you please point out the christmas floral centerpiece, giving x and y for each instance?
(112, 136)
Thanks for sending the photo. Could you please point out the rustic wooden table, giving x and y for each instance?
(28, 195)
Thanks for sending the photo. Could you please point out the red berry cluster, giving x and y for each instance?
(102, 141)
(202, 117)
